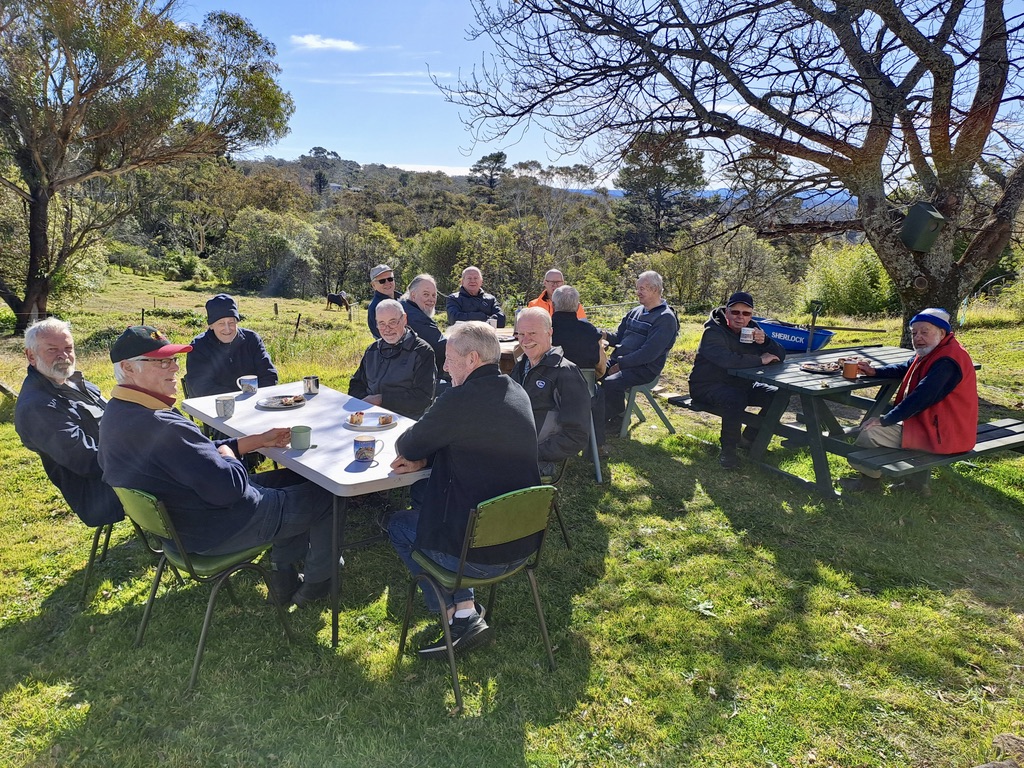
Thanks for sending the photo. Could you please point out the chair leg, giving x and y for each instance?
(661, 414)
(628, 413)
(92, 556)
(540, 617)
(491, 601)
(405, 623)
(561, 524)
(594, 451)
(206, 629)
(149, 603)
(446, 628)
(281, 613)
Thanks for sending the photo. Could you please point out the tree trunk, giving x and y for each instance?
(37, 278)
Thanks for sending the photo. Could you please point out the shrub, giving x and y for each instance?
(850, 280)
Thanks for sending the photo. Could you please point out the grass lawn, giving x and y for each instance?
(701, 618)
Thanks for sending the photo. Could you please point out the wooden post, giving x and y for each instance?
(143, 316)
(275, 309)
(297, 319)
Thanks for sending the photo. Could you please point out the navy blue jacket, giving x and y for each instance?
(560, 399)
(62, 425)
(483, 443)
(371, 311)
(214, 367)
(462, 306)
(427, 330)
(644, 339)
(149, 446)
(579, 339)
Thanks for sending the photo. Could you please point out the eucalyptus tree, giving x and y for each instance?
(861, 95)
(91, 92)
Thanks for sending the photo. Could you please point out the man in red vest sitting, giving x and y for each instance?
(936, 406)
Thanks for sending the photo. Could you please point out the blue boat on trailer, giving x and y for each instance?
(793, 338)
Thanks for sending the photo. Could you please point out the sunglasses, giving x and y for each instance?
(386, 280)
(740, 313)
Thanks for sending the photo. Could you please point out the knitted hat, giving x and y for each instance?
(139, 340)
(379, 270)
(741, 297)
(934, 315)
(219, 307)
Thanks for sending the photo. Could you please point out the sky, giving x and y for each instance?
(358, 72)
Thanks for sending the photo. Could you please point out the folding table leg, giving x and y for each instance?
(337, 545)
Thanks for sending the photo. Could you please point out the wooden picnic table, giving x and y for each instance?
(820, 430)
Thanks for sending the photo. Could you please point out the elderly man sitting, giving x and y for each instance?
(559, 395)
(57, 415)
(396, 372)
(642, 343)
(226, 351)
(472, 302)
(148, 445)
(479, 438)
(936, 407)
(553, 280)
(419, 303)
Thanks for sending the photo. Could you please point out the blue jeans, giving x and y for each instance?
(293, 514)
(402, 532)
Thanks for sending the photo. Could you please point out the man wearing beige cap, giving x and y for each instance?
(382, 280)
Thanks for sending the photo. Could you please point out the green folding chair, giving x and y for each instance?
(632, 406)
(151, 516)
(513, 516)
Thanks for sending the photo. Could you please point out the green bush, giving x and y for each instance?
(850, 280)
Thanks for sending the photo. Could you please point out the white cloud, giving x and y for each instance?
(318, 43)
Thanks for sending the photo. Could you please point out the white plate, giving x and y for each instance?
(275, 403)
(372, 427)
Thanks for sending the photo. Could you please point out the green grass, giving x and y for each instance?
(701, 619)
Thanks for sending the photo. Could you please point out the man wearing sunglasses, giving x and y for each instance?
(724, 345)
(382, 280)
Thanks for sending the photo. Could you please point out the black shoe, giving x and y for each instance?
(311, 591)
(917, 484)
(383, 519)
(467, 634)
(283, 584)
(861, 484)
(728, 460)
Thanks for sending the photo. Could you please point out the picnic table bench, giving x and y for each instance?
(1002, 435)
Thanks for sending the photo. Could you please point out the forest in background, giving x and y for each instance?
(303, 228)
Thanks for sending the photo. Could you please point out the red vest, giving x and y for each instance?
(951, 425)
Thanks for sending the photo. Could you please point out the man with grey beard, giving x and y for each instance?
(57, 415)
(936, 406)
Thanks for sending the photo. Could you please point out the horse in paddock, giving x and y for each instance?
(339, 299)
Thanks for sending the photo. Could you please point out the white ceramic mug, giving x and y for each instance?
(364, 448)
(492, 321)
(746, 335)
(225, 406)
(248, 384)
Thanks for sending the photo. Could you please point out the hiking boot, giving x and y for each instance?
(467, 634)
(917, 484)
(283, 584)
(728, 459)
(311, 592)
(861, 484)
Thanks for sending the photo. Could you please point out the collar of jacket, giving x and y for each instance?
(142, 397)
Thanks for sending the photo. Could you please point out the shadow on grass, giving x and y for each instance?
(79, 692)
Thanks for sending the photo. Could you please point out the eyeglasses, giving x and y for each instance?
(740, 313)
(390, 325)
(386, 280)
(165, 362)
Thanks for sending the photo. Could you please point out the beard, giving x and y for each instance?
(60, 370)
(925, 351)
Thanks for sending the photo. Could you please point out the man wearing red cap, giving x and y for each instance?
(146, 444)
(936, 405)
